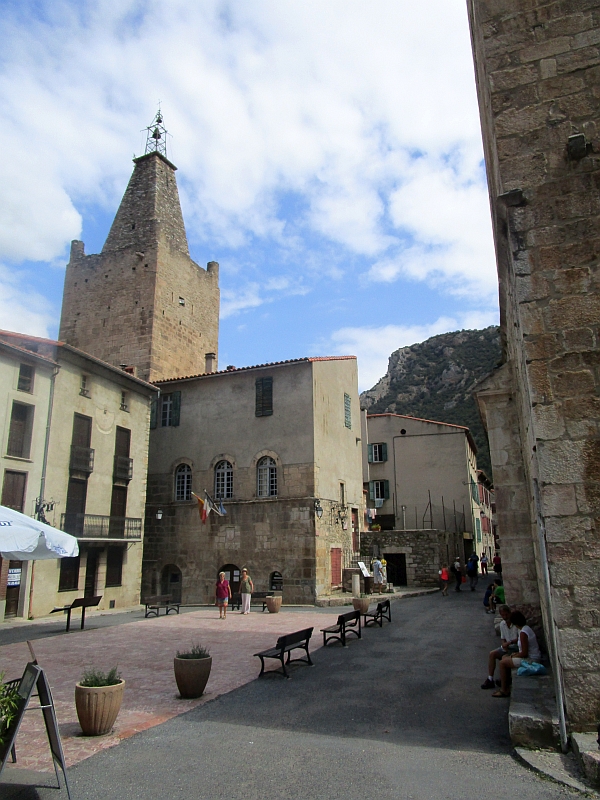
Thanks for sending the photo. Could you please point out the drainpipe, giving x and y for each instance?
(43, 479)
(556, 665)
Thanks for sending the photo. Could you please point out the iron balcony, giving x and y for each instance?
(96, 526)
(82, 459)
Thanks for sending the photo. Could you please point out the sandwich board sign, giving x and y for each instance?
(364, 570)
(35, 678)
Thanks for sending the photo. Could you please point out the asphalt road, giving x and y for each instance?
(397, 715)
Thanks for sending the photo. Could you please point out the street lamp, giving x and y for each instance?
(159, 514)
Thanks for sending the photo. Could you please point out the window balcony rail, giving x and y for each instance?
(123, 468)
(95, 526)
(82, 459)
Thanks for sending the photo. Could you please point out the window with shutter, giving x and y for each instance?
(153, 412)
(264, 397)
(379, 452)
(370, 453)
(176, 409)
(347, 411)
(19, 434)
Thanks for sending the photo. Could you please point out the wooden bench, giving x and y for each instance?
(383, 611)
(285, 644)
(346, 624)
(257, 599)
(154, 604)
(82, 603)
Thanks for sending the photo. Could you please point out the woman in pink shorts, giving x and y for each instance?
(223, 594)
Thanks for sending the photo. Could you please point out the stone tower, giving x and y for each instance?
(142, 301)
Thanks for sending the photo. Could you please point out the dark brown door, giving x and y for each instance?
(13, 490)
(118, 507)
(75, 507)
(82, 431)
(122, 442)
(91, 573)
(355, 536)
(13, 588)
(336, 566)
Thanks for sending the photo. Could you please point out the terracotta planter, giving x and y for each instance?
(273, 604)
(97, 707)
(192, 675)
(361, 604)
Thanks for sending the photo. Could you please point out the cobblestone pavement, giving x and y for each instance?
(144, 653)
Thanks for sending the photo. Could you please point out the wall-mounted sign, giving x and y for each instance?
(14, 576)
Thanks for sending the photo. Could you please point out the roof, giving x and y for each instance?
(22, 351)
(69, 348)
(231, 370)
(431, 422)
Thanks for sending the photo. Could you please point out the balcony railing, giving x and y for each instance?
(123, 468)
(82, 459)
(95, 526)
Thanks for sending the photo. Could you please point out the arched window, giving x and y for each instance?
(266, 477)
(223, 480)
(183, 482)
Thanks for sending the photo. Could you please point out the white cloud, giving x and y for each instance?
(374, 345)
(22, 311)
(324, 100)
(254, 294)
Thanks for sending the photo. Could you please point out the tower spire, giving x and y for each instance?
(156, 135)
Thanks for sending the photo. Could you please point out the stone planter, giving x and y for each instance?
(192, 675)
(361, 604)
(97, 707)
(273, 604)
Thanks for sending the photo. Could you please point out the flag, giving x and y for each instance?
(212, 506)
(222, 509)
(201, 508)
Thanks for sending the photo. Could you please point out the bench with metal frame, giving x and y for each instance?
(257, 599)
(383, 611)
(155, 603)
(82, 603)
(285, 644)
(346, 624)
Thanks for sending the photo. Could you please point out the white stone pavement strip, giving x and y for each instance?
(144, 652)
(559, 767)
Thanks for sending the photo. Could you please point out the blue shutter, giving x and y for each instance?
(153, 412)
(386, 490)
(372, 490)
(175, 408)
(384, 452)
(370, 456)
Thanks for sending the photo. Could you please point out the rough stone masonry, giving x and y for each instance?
(537, 67)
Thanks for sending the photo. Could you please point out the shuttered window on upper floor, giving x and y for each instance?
(264, 397)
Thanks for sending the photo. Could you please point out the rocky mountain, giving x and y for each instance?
(435, 378)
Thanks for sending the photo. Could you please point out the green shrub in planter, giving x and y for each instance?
(95, 677)
(9, 703)
(196, 651)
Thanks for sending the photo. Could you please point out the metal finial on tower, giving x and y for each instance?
(156, 135)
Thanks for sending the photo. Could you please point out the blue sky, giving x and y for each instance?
(329, 158)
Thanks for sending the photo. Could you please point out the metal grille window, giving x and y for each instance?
(347, 411)
(183, 482)
(223, 480)
(267, 477)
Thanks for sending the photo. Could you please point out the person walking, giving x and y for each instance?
(377, 576)
(456, 570)
(497, 563)
(473, 570)
(246, 589)
(444, 574)
(483, 562)
(222, 595)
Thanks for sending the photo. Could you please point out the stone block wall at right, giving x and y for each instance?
(537, 67)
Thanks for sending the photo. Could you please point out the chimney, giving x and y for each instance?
(210, 362)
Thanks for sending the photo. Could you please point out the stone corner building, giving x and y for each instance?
(537, 68)
(142, 302)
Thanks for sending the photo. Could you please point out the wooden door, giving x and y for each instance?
(82, 431)
(336, 566)
(118, 507)
(13, 588)
(122, 442)
(91, 573)
(75, 506)
(396, 568)
(13, 490)
(355, 531)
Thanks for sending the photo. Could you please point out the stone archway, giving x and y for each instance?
(232, 574)
(170, 582)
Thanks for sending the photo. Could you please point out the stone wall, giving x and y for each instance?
(142, 301)
(425, 550)
(538, 70)
(265, 536)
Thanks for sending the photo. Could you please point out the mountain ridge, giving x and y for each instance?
(435, 379)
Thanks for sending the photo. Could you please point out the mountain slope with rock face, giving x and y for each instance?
(434, 380)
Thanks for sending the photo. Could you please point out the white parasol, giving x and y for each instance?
(25, 539)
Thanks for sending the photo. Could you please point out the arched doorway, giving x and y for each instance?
(276, 582)
(170, 582)
(232, 574)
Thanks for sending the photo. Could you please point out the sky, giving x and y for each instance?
(329, 158)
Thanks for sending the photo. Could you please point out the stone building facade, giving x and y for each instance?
(537, 67)
(279, 446)
(142, 301)
(83, 463)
